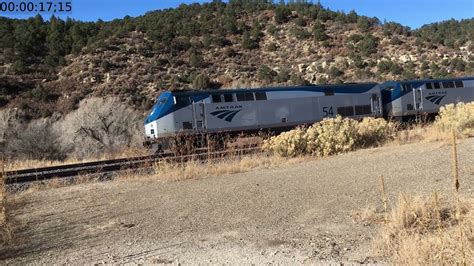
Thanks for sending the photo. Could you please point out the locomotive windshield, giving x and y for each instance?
(162, 101)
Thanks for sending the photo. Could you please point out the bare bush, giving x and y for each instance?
(6, 119)
(101, 126)
(36, 140)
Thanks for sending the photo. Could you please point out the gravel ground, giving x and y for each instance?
(290, 213)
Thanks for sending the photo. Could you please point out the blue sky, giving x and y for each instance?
(412, 13)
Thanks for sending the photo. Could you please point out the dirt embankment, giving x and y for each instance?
(297, 213)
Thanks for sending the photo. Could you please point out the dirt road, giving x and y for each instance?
(290, 213)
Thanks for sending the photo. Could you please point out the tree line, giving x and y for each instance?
(36, 44)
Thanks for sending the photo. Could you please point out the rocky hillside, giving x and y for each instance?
(219, 45)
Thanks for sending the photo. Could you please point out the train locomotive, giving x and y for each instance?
(278, 109)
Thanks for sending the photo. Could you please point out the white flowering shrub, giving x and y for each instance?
(288, 144)
(459, 117)
(375, 131)
(332, 136)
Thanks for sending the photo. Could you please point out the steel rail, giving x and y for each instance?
(108, 166)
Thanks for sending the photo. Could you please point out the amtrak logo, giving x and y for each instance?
(435, 98)
(226, 115)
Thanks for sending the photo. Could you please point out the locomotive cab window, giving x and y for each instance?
(247, 96)
(429, 86)
(180, 100)
(228, 98)
(407, 87)
(216, 98)
(260, 96)
(437, 85)
(448, 84)
(458, 84)
(162, 101)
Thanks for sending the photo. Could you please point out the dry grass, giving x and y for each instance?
(429, 230)
(27, 164)
(167, 171)
(420, 133)
(368, 215)
(6, 231)
(458, 117)
(57, 183)
(3, 216)
(426, 231)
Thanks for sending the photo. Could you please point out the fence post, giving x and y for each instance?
(3, 216)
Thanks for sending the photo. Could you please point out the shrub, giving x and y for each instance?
(459, 117)
(374, 131)
(272, 47)
(368, 45)
(300, 33)
(101, 125)
(283, 76)
(196, 60)
(281, 14)
(335, 72)
(319, 32)
(298, 80)
(265, 73)
(288, 144)
(332, 136)
(37, 140)
(6, 119)
(201, 82)
(363, 24)
(247, 42)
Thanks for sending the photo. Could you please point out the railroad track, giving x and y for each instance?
(110, 166)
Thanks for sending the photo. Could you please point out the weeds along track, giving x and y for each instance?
(110, 166)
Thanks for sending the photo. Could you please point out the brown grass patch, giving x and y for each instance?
(167, 171)
(27, 164)
(5, 229)
(424, 231)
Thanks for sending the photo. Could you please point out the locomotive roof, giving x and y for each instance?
(431, 80)
(346, 87)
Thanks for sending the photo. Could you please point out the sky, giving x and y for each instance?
(412, 13)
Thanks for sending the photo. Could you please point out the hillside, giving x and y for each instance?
(48, 67)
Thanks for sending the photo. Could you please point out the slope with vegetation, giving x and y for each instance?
(47, 67)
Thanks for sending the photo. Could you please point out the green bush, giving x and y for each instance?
(201, 82)
(319, 32)
(248, 42)
(265, 73)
